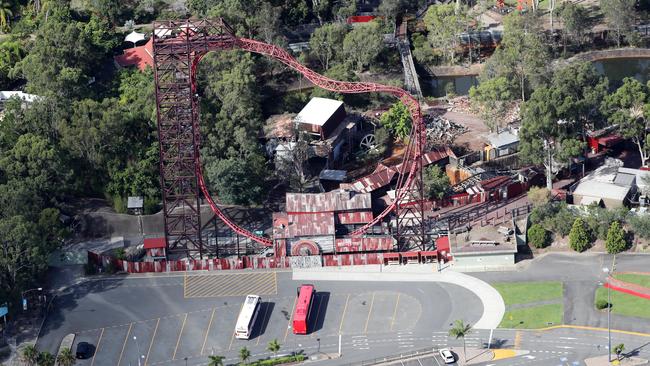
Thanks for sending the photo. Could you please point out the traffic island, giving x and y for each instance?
(626, 361)
(474, 355)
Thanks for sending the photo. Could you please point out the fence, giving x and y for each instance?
(393, 358)
(218, 264)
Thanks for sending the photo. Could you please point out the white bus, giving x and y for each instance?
(247, 317)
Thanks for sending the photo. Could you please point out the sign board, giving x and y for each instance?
(4, 311)
(24, 304)
(258, 232)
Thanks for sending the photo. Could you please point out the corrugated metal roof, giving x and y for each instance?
(318, 111)
(503, 138)
(328, 202)
(354, 217)
(594, 188)
(311, 224)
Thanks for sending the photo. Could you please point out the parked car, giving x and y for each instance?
(447, 356)
(84, 350)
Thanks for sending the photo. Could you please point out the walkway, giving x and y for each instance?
(493, 305)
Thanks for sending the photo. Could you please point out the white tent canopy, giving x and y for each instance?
(162, 32)
(134, 37)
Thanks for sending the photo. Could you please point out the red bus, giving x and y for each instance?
(303, 308)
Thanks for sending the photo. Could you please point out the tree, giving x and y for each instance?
(491, 98)
(29, 354)
(390, 9)
(290, 165)
(444, 24)
(522, 54)
(320, 8)
(363, 44)
(620, 16)
(544, 139)
(436, 182)
(244, 355)
(576, 22)
(237, 181)
(640, 225)
(397, 120)
(537, 236)
(629, 108)
(461, 330)
(46, 359)
(215, 360)
(618, 350)
(11, 52)
(66, 357)
(344, 9)
(5, 14)
(578, 237)
(539, 196)
(326, 43)
(615, 242)
(578, 92)
(274, 346)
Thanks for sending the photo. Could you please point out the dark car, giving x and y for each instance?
(84, 350)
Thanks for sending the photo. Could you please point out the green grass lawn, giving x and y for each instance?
(643, 280)
(527, 292)
(533, 317)
(625, 304)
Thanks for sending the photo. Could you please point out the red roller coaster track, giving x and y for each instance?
(177, 52)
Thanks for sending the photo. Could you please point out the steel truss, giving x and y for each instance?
(178, 47)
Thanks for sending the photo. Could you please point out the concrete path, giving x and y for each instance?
(493, 305)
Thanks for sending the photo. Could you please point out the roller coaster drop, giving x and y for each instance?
(178, 47)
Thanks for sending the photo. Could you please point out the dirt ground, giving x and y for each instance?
(476, 129)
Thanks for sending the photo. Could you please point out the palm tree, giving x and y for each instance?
(215, 360)
(460, 330)
(244, 354)
(5, 14)
(46, 359)
(66, 358)
(274, 346)
(29, 354)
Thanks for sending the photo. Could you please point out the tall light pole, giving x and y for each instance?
(609, 311)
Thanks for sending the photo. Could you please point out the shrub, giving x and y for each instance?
(561, 222)
(615, 242)
(602, 304)
(598, 219)
(640, 225)
(539, 196)
(120, 253)
(578, 237)
(537, 236)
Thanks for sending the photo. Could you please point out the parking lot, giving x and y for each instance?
(197, 317)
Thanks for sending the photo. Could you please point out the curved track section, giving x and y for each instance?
(413, 151)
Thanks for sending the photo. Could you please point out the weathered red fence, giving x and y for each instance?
(328, 260)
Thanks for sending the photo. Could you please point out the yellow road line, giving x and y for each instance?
(344, 309)
(500, 354)
(185, 285)
(584, 327)
(517, 339)
(293, 309)
(372, 302)
(207, 331)
(124, 345)
(392, 321)
(180, 334)
(97, 348)
(155, 330)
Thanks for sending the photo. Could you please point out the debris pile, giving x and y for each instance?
(441, 131)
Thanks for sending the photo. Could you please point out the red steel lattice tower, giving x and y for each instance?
(178, 46)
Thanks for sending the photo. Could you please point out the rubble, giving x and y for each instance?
(441, 131)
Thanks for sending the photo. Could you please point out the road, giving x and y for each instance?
(166, 319)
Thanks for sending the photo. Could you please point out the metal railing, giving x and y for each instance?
(393, 358)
